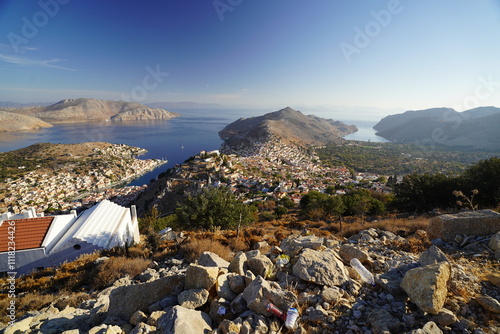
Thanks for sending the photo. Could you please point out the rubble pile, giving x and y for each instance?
(452, 286)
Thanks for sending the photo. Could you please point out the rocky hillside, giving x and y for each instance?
(412, 284)
(471, 129)
(85, 110)
(11, 122)
(289, 125)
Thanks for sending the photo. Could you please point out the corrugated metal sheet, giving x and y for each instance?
(105, 225)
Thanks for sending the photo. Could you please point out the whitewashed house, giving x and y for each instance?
(49, 241)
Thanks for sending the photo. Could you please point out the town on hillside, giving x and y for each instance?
(270, 169)
(79, 187)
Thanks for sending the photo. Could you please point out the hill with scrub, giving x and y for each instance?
(474, 129)
(288, 125)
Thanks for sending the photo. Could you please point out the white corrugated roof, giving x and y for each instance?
(105, 225)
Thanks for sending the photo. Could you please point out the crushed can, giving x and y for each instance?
(276, 311)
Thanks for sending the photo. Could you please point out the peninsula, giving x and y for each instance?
(78, 110)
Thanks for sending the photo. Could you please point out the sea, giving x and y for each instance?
(174, 140)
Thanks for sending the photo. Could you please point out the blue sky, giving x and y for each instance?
(407, 54)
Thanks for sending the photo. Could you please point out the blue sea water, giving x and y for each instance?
(365, 132)
(175, 140)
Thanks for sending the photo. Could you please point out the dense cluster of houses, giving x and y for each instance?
(64, 191)
(272, 168)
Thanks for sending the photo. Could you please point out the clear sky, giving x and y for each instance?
(408, 54)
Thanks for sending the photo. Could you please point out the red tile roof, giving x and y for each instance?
(28, 233)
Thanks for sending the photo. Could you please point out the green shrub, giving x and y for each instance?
(214, 207)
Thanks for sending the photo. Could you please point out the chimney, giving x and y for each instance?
(133, 213)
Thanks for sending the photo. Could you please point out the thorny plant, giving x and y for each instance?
(468, 200)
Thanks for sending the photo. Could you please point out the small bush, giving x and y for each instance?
(267, 215)
(195, 247)
(117, 267)
(72, 300)
(238, 244)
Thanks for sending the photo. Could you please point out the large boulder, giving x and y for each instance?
(209, 259)
(429, 328)
(426, 286)
(293, 243)
(431, 256)
(349, 252)
(224, 288)
(182, 320)
(193, 298)
(489, 303)
(259, 294)
(481, 222)
(260, 265)
(237, 264)
(321, 267)
(125, 300)
(201, 277)
(495, 241)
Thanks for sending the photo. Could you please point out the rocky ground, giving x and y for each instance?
(420, 286)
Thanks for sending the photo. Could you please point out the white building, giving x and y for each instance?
(49, 241)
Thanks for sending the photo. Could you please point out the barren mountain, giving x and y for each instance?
(10, 122)
(83, 110)
(289, 125)
(471, 129)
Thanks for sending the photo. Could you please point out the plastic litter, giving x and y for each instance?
(282, 260)
(362, 271)
(221, 310)
(276, 311)
(291, 318)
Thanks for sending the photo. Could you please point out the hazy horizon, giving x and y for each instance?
(372, 58)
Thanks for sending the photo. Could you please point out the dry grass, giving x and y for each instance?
(117, 267)
(238, 244)
(412, 245)
(35, 301)
(193, 248)
(26, 302)
(71, 299)
(403, 227)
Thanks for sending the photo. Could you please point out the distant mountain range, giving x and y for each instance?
(10, 104)
(474, 129)
(185, 105)
(78, 110)
(289, 125)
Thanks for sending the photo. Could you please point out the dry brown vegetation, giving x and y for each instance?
(66, 285)
(193, 248)
(71, 282)
(117, 267)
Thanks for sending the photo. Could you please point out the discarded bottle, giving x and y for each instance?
(276, 311)
(291, 318)
(362, 271)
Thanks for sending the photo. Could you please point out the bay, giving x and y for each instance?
(365, 132)
(175, 140)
